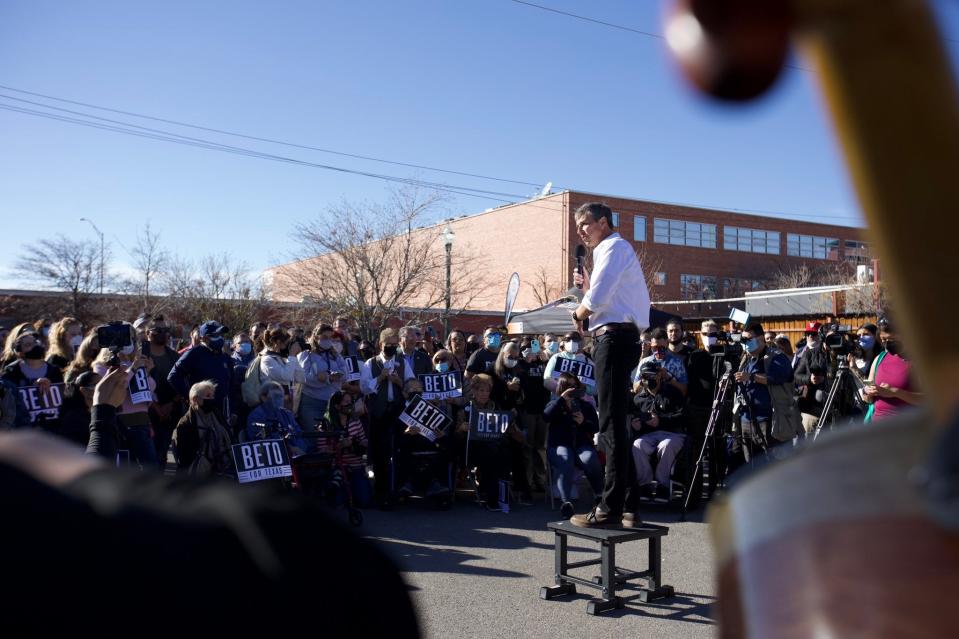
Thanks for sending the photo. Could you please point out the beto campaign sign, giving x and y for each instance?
(424, 418)
(140, 392)
(263, 459)
(584, 371)
(352, 368)
(488, 425)
(42, 405)
(442, 385)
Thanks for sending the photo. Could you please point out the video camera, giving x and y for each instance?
(837, 338)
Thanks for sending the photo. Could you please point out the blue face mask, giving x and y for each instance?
(534, 346)
(443, 367)
(494, 341)
(245, 348)
(867, 341)
(752, 344)
(553, 347)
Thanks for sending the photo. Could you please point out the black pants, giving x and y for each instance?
(384, 432)
(616, 354)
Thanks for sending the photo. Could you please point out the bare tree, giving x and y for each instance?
(151, 261)
(372, 262)
(545, 290)
(214, 287)
(62, 264)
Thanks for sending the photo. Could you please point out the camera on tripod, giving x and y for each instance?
(838, 338)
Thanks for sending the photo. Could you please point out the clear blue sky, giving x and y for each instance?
(482, 86)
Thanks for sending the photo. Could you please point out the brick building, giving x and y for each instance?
(688, 252)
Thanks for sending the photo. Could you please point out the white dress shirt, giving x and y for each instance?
(617, 289)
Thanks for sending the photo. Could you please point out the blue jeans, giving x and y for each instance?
(563, 462)
(141, 446)
(311, 411)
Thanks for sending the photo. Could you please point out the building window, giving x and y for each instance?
(737, 287)
(819, 248)
(750, 240)
(857, 252)
(639, 228)
(659, 279)
(615, 220)
(682, 233)
(697, 287)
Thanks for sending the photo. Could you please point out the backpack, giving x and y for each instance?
(251, 383)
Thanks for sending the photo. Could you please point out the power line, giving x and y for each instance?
(119, 126)
(215, 146)
(268, 140)
(588, 19)
(618, 26)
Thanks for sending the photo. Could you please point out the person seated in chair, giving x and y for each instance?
(270, 420)
(572, 424)
(413, 446)
(661, 426)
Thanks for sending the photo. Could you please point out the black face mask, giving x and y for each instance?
(389, 350)
(208, 405)
(471, 348)
(158, 338)
(37, 352)
(891, 346)
(285, 352)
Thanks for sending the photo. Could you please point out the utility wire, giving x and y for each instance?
(268, 140)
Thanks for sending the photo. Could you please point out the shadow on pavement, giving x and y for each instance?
(412, 557)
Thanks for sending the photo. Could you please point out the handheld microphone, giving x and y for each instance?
(580, 254)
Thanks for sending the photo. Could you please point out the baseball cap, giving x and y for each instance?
(812, 327)
(211, 327)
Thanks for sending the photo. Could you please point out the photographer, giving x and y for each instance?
(660, 423)
(673, 372)
(572, 425)
(706, 367)
(811, 399)
(815, 354)
(764, 392)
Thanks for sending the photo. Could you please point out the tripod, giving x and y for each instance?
(719, 401)
(842, 373)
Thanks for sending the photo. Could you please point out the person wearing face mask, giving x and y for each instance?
(672, 372)
(706, 367)
(202, 439)
(815, 354)
(276, 364)
(866, 349)
(535, 398)
(66, 336)
(272, 420)
(323, 373)
(764, 375)
(134, 415)
(482, 360)
(42, 328)
(889, 388)
(415, 359)
(341, 417)
(388, 373)
(570, 348)
(206, 361)
(30, 369)
(508, 373)
(166, 411)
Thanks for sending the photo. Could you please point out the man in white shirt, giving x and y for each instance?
(616, 303)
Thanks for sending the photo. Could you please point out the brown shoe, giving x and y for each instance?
(596, 518)
(632, 520)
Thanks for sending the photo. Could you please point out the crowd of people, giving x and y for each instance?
(279, 381)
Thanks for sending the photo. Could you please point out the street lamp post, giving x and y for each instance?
(100, 233)
(448, 236)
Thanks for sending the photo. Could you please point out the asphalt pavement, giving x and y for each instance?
(474, 573)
